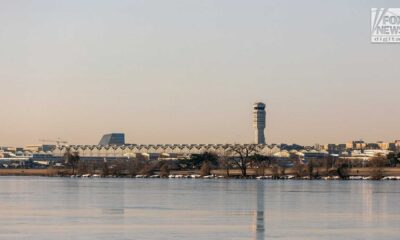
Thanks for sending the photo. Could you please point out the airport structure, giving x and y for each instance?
(259, 122)
(113, 146)
(117, 139)
(152, 151)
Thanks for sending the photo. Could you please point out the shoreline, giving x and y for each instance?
(267, 173)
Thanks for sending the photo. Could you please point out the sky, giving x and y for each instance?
(183, 71)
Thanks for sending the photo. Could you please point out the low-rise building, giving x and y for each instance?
(383, 145)
(397, 145)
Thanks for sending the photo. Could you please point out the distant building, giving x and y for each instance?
(392, 147)
(8, 149)
(397, 144)
(290, 147)
(383, 145)
(367, 154)
(113, 139)
(356, 145)
(373, 146)
(315, 155)
(39, 147)
(335, 148)
(319, 147)
(259, 122)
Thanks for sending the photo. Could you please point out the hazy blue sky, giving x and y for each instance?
(189, 71)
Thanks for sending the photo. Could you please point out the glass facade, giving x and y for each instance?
(113, 139)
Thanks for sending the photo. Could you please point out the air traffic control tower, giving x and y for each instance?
(259, 122)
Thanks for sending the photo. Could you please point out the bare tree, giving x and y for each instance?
(82, 167)
(299, 168)
(242, 155)
(282, 171)
(119, 167)
(275, 171)
(196, 160)
(205, 169)
(105, 170)
(164, 170)
(224, 161)
(260, 162)
(136, 165)
(310, 168)
(148, 169)
(329, 163)
(71, 159)
(377, 164)
(393, 159)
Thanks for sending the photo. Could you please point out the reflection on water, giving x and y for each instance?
(367, 209)
(259, 221)
(118, 206)
(63, 208)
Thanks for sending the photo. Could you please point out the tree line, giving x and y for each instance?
(240, 157)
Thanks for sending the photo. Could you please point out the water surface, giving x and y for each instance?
(63, 208)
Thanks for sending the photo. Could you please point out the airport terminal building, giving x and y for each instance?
(152, 151)
(113, 145)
